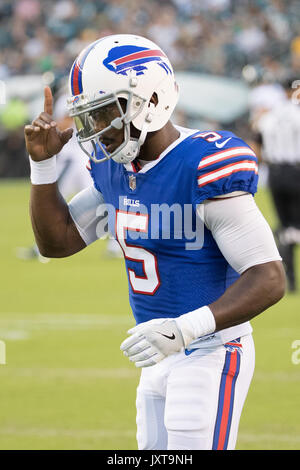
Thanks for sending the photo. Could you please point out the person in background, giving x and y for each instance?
(278, 135)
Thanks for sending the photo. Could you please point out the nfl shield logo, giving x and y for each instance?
(132, 182)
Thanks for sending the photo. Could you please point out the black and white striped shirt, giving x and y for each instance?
(280, 133)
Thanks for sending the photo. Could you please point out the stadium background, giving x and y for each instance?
(65, 384)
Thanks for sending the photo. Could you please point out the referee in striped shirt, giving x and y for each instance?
(279, 139)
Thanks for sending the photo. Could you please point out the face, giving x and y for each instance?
(102, 118)
(91, 123)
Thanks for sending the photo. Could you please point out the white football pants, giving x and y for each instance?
(195, 401)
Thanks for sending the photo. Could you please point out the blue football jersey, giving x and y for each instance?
(172, 260)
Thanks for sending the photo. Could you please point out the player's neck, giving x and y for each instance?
(157, 142)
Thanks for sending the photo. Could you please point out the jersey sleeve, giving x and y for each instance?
(240, 230)
(228, 165)
(89, 213)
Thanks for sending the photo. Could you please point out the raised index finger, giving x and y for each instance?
(48, 101)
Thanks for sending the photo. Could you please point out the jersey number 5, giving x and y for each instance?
(208, 136)
(149, 282)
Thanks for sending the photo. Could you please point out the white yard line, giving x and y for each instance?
(130, 433)
(74, 433)
(269, 437)
(278, 376)
(57, 321)
(13, 335)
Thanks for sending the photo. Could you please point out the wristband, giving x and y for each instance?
(43, 172)
(195, 324)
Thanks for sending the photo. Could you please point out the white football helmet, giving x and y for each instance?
(121, 66)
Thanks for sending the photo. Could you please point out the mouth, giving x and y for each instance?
(108, 143)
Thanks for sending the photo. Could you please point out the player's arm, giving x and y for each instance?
(256, 290)
(241, 232)
(246, 241)
(55, 231)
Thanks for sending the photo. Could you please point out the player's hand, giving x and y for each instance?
(152, 341)
(43, 138)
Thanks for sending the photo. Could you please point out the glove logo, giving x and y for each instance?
(167, 336)
(121, 59)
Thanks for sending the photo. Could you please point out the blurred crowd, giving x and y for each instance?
(217, 37)
(214, 36)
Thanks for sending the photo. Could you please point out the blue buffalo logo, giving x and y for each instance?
(121, 59)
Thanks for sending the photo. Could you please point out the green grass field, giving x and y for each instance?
(66, 384)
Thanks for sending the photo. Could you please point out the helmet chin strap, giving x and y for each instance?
(131, 150)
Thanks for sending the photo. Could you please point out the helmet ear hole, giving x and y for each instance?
(123, 104)
(154, 99)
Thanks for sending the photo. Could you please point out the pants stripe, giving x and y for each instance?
(226, 400)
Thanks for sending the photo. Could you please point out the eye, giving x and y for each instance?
(105, 113)
(99, 114)
(96, 114)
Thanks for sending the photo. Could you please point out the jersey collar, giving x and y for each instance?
(146, 166)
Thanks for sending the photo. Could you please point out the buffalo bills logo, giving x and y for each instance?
(121, 59)
(234, 345)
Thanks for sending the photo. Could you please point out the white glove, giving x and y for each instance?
(152, 341)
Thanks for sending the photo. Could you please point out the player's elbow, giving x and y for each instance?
(50, 252)
(278, 280)
(274, 281)
(53, 251)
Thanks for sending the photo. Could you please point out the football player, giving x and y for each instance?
(194, 284)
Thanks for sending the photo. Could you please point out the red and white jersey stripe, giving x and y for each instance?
(225, 155)
(227, 170)
(225, 163)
